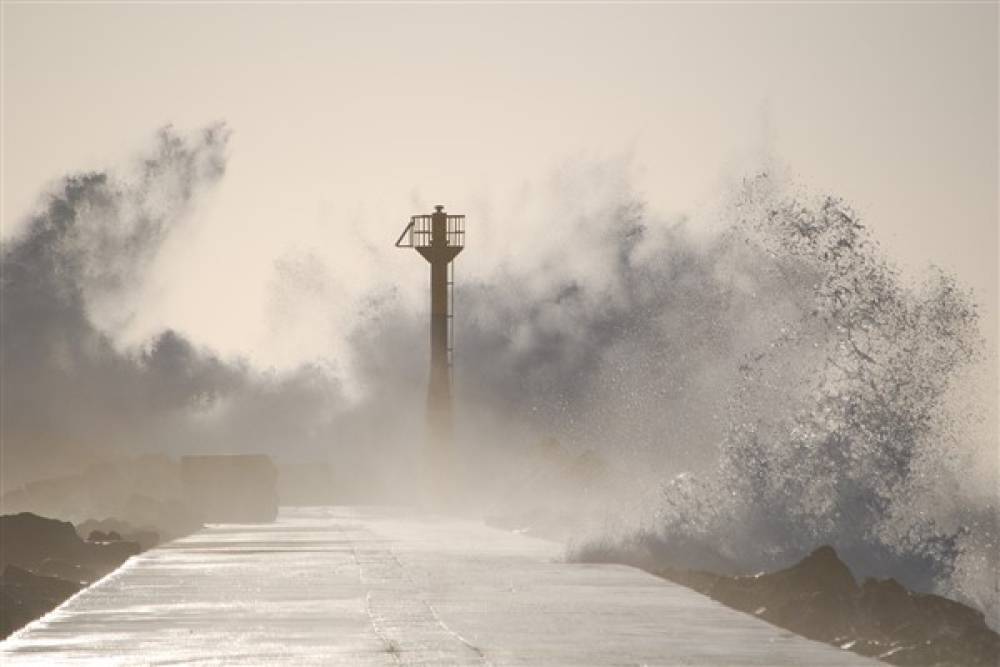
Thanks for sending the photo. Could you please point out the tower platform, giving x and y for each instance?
(377, 586)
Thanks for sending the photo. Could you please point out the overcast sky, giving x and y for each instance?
(347, 118)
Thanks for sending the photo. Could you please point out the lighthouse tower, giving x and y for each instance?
(439, 237)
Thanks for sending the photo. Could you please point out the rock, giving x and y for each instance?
(25, 596)
(103, 558)
(67, 571)
(171, 518)
(928, 629)
(144, 491)
(821, 572)
(97, 536)
(820, 599)
(45, 561)
(29, 540)
(115, 529)
(816, 596)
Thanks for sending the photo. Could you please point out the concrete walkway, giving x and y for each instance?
(359, 586)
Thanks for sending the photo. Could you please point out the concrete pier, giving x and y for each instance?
(377, 586)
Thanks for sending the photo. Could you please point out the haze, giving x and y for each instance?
(347, 118)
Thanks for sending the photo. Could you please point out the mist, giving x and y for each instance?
(682, 355)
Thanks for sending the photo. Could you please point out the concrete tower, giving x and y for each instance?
(439, 237)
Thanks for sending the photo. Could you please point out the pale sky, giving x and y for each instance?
(347, 118)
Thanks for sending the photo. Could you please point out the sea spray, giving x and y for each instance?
(803, 387)
(842, 428)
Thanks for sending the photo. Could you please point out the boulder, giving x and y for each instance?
(115, 529)
(66, 570)
(45, 561)
(29, 540)
(820, 599)
(25, 596)
(925, 629)
(144, 491)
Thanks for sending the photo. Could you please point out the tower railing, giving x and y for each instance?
(418, 234)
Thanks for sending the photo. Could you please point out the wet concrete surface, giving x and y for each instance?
(391, 586)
